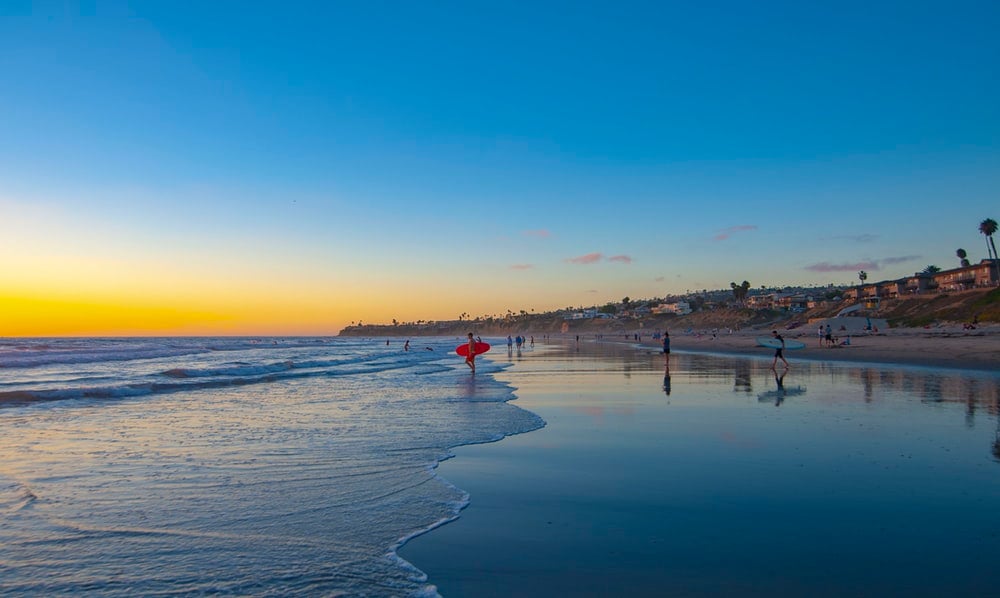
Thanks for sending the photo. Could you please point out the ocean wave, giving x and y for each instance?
(15, 496)
(235, 370)
(32, 353)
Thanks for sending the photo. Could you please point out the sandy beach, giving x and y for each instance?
(947, 347)
(717, 477)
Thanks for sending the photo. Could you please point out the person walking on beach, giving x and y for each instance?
(819, 333)
(778, 353)
(666, 349)
(470, 359)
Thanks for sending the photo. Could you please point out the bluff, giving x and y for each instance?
(911, 311)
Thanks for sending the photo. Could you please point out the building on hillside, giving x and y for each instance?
(680, 308)
(587, 314)
(983, 274)
(792, 301)
(918, 283)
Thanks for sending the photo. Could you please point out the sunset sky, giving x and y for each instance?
(291, 167)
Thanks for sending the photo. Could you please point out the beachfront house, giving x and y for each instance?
(983, 274)
(587, 314)
(679, 308)
(918, 283)
(792, 301)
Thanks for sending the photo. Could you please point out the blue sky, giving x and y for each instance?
(420, 160)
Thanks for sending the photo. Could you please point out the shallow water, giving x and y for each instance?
(235, 466)
(851, 480)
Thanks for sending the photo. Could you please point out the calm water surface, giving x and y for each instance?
(722, 478)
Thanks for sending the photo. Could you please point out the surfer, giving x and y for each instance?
(778, 351)
(406, 345)
(470, 360)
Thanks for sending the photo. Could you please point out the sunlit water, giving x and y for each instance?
(235, 466)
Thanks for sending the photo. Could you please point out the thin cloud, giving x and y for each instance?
(590, 258)
(595, 257)
(538, 234)
(725, 233)
(873, 265)
(900, 259)
(862, 238)
(522, 266)
(660, 278)
(854, 267)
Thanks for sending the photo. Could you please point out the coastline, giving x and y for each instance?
(945, 347)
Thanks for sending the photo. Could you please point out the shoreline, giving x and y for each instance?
(632, 488)
(946, 347)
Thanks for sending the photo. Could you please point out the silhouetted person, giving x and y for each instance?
(778, 353)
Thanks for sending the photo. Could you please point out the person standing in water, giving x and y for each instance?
(778, 353)
(666, 349)
(470, 359)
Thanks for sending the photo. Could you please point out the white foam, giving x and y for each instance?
(295, 468)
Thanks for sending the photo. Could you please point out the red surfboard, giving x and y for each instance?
(463, 349)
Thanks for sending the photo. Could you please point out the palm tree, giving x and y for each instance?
(930, 270)
(961, 256)
(988, 227)
(740, 291)
(862, 276)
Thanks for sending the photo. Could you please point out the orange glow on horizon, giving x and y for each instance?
(32, 316)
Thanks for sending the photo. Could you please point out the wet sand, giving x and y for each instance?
(946, 347)
(717, 489)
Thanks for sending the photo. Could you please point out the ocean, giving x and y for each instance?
(244, 466)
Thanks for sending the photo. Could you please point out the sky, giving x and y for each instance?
(258, 168)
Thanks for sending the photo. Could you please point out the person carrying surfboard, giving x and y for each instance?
(470, 359)
(778, 351)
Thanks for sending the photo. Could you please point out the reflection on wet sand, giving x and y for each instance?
(877, 481)
(778, 395)
(830, 383)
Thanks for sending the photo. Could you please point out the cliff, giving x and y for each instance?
(912, 311)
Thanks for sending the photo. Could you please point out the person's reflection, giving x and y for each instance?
(867, 381)
(996, 441)
(666, 380)
(970, 404)
(779, 396)
(742, 377)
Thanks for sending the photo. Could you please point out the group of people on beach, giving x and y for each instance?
(470, 359)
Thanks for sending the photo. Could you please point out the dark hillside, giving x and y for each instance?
(913, 311)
